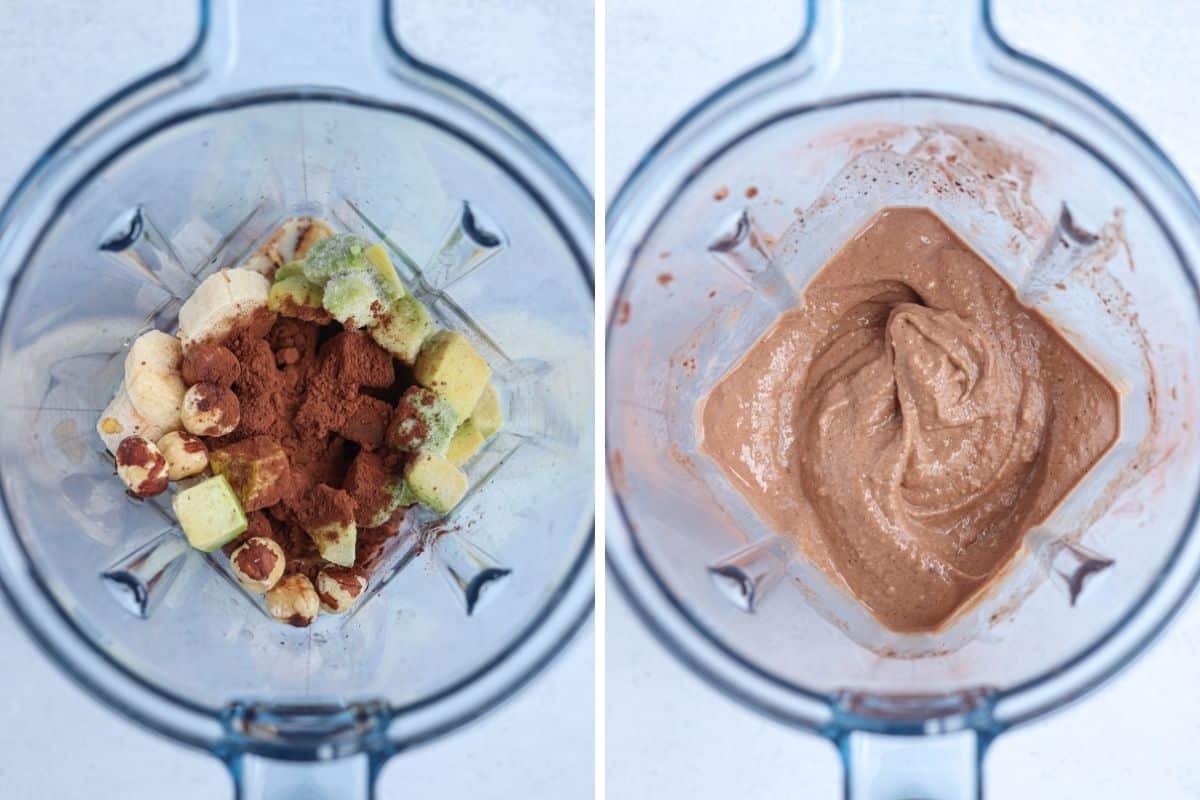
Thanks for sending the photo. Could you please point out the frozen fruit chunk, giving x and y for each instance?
(327, 516)
(210, 514)
(405, 496)
(435, 482)
(336, 255)
(450, 366)
(422, 421)
(354, 299)
(256, 469)
(486, 415)
(393, 288)
(366, 425)
(465, 443)
(295, 297)
(292, 269)
(403, 327)
(375, 488)
(354, 360)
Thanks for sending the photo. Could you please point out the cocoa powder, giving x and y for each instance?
(324, 395)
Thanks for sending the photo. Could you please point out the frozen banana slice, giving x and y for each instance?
(152, 383)
(219, 302)
(291, 240)
(120, 419)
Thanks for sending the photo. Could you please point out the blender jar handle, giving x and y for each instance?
(856, 45)
(882, 766)
(254, 43)
(260, 778)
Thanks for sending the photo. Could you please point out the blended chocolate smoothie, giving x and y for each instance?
(910, 421)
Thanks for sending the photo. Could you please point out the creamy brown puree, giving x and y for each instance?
(910, 421)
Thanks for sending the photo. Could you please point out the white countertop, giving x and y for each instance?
(671, 736)
(57, 742)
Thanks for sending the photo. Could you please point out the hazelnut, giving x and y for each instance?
(141, 466)
(294, 601)
(186, 455)
(258, 564)
(339, 588)
(210, 410)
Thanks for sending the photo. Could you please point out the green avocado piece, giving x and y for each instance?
(466, 442)
(293, 291)
(403, 327)
(336, 542)
(422, 422)
(210, 514)
(291, 269)
(389, 281)
(336, 255)
(435, 482)
(353, 299)
(450, 366)
(486, 415)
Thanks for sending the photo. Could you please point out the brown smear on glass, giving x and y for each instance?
(910, 421)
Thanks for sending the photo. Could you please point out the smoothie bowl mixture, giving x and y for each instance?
(910, 401)
(305, 404)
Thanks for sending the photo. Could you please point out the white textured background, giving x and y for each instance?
(56, 743)
(670, 736)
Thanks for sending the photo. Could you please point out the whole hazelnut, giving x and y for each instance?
(210, 410)
(294, 601)
(186, 454)
(258, 564)
(339, 588)
(141, 466)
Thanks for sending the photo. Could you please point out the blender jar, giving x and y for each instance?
(274, 114)
(719, 230)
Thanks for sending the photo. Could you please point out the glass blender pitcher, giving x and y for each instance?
(719, 230)
(284, 109)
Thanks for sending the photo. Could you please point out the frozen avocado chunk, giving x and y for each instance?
(465, 443)
(486, 415)
(292, 269)
(336, 255)
(422, 421)
(294, 296)
(389, 281)
(403, 327)
(450, 366)
(405, 496)
(210, 514)
(353, 298)
(255, 468)
(435, 482)
(375, 486)
(327, 516)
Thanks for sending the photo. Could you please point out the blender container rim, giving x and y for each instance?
(496, 129)
(688, 638)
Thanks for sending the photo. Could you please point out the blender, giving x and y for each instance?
(284, 109)
(719, 230)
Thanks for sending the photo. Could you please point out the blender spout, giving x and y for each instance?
(277, 751)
